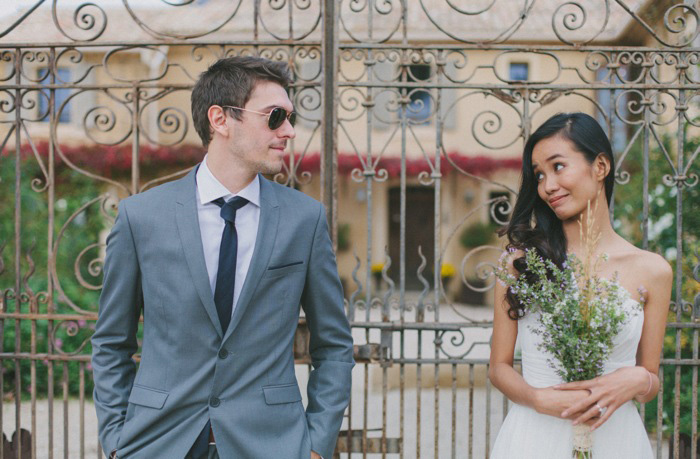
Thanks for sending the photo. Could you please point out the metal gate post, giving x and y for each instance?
(329, 122)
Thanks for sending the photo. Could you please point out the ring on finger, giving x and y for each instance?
(601, 409)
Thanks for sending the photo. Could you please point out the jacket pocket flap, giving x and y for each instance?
(286, 265)
(145, 396)
(278, 271)
(287, 393)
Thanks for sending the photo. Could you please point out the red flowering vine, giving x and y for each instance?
(116, 161)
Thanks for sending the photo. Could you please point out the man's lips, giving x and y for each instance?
(556, 200)
(278, 149)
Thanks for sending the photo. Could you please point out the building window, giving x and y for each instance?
(62, 74)
(499, 210)
(420, 106)
(519, 71)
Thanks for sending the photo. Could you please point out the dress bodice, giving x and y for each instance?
(538, 372)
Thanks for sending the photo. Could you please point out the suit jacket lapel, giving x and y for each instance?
(191, 238)
(264, 243)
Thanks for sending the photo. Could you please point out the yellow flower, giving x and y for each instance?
(377, 267)
(447, 270)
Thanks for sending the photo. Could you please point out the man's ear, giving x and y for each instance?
(217, 120)
(602, 166)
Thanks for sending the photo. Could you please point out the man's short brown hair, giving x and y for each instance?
(230, 81)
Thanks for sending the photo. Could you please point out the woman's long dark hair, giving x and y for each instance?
(547, 235)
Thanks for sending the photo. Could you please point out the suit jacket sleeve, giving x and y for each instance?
(114, 341)
(330, 346)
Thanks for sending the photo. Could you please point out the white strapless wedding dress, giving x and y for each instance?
(527, 434)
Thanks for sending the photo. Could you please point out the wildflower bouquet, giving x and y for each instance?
(580, 316)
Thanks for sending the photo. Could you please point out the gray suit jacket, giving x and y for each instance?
(242, 379)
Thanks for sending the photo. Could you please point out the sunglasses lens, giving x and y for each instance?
(293, 118)
(277, 117)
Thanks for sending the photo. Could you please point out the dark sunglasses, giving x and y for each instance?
(275, 118)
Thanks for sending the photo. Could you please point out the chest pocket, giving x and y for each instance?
(279, 270)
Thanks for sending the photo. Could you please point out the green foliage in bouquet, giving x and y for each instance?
(580, 314)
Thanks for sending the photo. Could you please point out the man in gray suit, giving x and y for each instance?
(219, 262)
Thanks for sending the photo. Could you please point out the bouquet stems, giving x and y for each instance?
(583, 442)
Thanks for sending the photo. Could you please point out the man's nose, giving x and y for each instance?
(286, 131)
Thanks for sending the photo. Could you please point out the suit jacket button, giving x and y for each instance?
(223, 353)
(214, 402)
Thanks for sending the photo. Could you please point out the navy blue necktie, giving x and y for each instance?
(226, 274)
(223, 293)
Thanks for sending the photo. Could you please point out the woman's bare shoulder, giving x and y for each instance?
(649, 267)
(658, 268)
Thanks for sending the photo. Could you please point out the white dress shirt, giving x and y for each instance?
(211, 225)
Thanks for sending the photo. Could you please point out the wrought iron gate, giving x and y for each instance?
(393, 94)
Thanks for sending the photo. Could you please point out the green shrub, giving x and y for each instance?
(72, 192)
(662, 206)
(343, 236)
(477, 234)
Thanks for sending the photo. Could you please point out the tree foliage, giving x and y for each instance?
(82, 229)
(664, 203)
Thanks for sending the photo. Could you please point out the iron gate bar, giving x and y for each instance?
(329, 165)
(342, 45)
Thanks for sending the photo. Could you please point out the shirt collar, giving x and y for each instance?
(210, 189)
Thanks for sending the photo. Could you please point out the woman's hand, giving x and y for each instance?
(606, 394)
(553, 402)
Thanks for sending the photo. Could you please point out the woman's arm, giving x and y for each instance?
(501, 371)
(617, 388)
(652, 340)
(506, 379)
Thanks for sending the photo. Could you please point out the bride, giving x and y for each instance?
(566, 162)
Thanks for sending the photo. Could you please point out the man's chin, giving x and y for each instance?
(270, 167)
